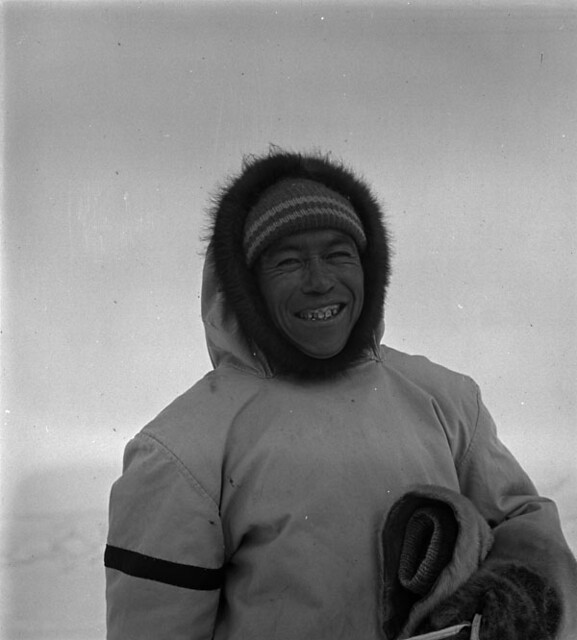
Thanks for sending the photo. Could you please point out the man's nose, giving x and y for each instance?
(317, 277)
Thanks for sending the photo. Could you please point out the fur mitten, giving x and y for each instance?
(515, 603)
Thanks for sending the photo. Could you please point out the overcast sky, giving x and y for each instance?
(122, 117)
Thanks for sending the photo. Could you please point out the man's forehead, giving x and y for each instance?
(311, 239)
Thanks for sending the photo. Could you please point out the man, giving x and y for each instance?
(253, 506)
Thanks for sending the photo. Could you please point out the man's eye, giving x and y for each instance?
(340, 255)
(288, 263)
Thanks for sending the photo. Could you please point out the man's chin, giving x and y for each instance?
(319, 352)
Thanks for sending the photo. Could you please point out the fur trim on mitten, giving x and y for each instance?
(516, 604)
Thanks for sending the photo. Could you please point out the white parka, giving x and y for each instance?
(267, 496)
(250, 508)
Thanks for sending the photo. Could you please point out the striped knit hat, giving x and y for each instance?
(295, 205)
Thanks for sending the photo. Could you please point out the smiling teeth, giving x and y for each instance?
(325, 313)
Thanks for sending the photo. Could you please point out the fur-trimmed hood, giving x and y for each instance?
(237, 323)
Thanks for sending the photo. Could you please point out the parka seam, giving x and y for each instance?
(262, 375)
(475, 430)
(183, 469)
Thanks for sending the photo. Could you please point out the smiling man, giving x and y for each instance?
(313, 288)
(254, 505)
(308, 240)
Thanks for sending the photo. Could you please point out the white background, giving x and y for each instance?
(120, 119)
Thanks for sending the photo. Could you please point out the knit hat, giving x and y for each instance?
(295, 205)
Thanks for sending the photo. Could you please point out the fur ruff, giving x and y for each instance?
(238, 282)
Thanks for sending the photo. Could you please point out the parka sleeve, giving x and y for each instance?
(165, 549)
(526, 526)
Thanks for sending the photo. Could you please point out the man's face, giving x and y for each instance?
(313, 286)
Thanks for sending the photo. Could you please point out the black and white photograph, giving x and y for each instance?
(289, 320)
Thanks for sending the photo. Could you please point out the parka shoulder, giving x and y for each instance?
(194, 428)
(455, 397)
(433, 378)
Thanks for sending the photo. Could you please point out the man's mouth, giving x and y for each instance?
(322, 313)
